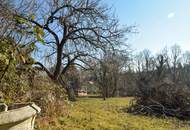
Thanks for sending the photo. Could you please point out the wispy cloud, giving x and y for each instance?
(171, 15)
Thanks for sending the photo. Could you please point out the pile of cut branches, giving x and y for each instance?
(162, 99)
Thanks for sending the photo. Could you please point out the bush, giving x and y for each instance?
(45, 92)
(163, 98)
(13, 81)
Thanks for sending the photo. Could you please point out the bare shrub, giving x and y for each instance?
(162, 99)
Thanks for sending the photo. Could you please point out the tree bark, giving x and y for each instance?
(69, 89)
(104, 93)
(71, 94)
(59, 61)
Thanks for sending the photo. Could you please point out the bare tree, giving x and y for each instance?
(186, 66)
(186, 57)
(108, 71)
(138, 62)
(72, 31)
(176, 52)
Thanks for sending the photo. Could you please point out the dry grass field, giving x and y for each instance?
(96, 114)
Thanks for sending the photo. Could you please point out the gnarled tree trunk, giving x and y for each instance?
(71, 94)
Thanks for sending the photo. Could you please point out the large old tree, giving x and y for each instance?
(71, 32)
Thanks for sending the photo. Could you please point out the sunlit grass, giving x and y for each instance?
(96, 114)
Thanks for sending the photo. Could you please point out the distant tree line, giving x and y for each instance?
(161, 82)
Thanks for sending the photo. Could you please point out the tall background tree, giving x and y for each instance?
(108, 72)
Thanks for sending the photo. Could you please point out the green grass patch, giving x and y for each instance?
(96, 114)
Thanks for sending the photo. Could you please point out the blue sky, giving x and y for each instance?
(160, 23)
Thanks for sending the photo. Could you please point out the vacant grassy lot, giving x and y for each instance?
(96, 114)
